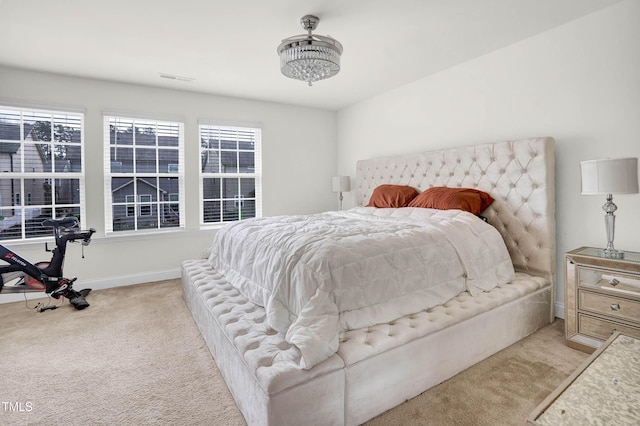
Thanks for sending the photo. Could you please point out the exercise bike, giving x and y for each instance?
(46, 276)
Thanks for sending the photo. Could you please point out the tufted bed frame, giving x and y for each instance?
(379, 367)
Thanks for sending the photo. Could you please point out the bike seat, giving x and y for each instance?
(65, 222)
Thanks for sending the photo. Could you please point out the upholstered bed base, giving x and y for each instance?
(375, 369)
(379, 367)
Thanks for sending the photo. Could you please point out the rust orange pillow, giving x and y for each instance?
(392, 196)
(440, 197)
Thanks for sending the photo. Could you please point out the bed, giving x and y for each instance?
(367, 367)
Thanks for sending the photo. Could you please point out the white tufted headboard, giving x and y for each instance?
(519, 175)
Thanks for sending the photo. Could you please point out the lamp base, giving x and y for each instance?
(611, 254)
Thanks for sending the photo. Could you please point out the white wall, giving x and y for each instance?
(297, 167)
(579, 83)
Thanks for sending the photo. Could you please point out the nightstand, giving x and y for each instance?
(601, 296)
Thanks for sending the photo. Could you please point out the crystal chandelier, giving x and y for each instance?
(309, 57)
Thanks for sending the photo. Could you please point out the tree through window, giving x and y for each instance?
(230, 173)
(41, 161)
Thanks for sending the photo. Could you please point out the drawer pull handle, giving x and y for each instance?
(614, 330)
(615, 306)
(614, 282)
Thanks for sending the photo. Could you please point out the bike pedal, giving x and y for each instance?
(60, 291)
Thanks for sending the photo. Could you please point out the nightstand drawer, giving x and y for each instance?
(602, 329)
(609, 280)
(611, 306)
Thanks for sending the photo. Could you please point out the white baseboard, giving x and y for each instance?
(132, 279)
(559, 310)
(102, 284)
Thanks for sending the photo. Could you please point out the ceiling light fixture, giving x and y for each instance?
(309, 57)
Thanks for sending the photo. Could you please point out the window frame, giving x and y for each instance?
(256, 175)
(138, 202)
(73, 119)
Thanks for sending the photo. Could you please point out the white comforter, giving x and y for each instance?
(320, 274)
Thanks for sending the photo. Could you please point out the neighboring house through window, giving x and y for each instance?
(230, 173)
(41, 155)
(144, 179)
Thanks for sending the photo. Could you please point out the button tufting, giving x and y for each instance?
(283, 346)
(261, 351)
(265, 362)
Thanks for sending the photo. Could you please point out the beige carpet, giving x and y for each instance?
(135, 356)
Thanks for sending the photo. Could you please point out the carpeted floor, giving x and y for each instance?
(136, 357)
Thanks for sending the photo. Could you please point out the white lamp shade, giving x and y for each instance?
(615, 176)
(341, 183)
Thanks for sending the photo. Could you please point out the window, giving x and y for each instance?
(144, 179)
(145, 205)
(41, 155)
(230, 175)
(131, 205)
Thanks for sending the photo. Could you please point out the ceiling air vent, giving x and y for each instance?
(176, 77)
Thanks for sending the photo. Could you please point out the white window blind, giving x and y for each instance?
(144, 174)
(230, 173)
(42, 166)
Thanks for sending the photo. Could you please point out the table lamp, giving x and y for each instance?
(341, 184)
(610, 176)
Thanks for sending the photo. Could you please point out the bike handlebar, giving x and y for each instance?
(87, 236)
(68, 223)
